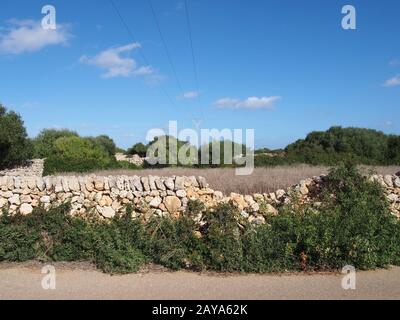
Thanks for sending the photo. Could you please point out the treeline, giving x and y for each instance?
(66, 151)
(363, 146)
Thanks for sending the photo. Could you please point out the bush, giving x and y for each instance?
(352, 227)
(139, 149)
(364, 146)
(106, 143)
(15, 147)
(44, 143)
(76, 154)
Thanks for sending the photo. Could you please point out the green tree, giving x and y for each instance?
(139, 149)
(76, 154)
(166, 149)
(220, 148)
(44, 143)
(15, 147)
(106, 143)
(327, 147)
(393, 150)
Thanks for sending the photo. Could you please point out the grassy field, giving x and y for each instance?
(262, 180)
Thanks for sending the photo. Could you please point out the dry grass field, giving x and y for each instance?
(262, 180)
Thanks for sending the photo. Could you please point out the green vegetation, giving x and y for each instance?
(15, 147)
(65, 150)
(362, 146)
(235, 150)
(44, 143)
(76, 154)
(139, 148)
(163, 151)
(353, 226)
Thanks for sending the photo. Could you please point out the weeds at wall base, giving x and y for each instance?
(354, 226)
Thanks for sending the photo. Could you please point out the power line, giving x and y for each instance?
(171, 63)
(189, 26)
(132, 35)
(191, 46)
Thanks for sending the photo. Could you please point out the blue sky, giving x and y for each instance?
(282, 67)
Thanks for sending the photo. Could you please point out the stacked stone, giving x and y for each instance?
(33, 168)
(134, 159)
(152, 195)
(391, 185)
(106, 195)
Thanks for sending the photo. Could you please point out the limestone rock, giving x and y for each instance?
(169, 183)
(155, 202)
(14, 200)
(172, 204)
(3, 202)
(137, 184)
(179, 183)
(159, 184)
(25, 199)
(99, 184)
(388, 180)
(145, 183)
(25, 209)
(269, 209)
(73, 184)
(6, 194)
(40, 184)
(107, 212)
(280, 194)
(181, 193)
(202, 182)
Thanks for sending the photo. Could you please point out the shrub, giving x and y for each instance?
(106, 143)
(76, 154)
(174, 243)
(15, 147)
(139, 149)
(352, 227)
(44, 143)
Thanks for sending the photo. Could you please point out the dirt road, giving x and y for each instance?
(24, 281)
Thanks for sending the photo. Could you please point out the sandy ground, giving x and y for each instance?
(24, 281)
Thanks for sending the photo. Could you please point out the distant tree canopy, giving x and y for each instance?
(393, 149)
(77, 154)
(139, 148)
(44, 143)
(167, 150)
(106, 143)
(362, 145)
(15, 147)
(235, 150)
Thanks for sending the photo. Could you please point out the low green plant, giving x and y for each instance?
(353, 226)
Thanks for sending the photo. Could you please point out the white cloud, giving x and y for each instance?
(189, 95)
(395, 81)
(249, 103)
(115, 64)
(394, 62)
(29, 36)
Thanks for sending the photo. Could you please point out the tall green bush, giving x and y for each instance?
(76, 154)
(15, 147)
(353, 226)
(44, 143)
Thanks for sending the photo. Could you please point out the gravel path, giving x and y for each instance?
(23, 281)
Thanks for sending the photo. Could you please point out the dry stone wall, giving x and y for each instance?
(151, 195)
(31, 168)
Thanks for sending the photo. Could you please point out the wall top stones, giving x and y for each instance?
(154, 195)
(31, 168)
